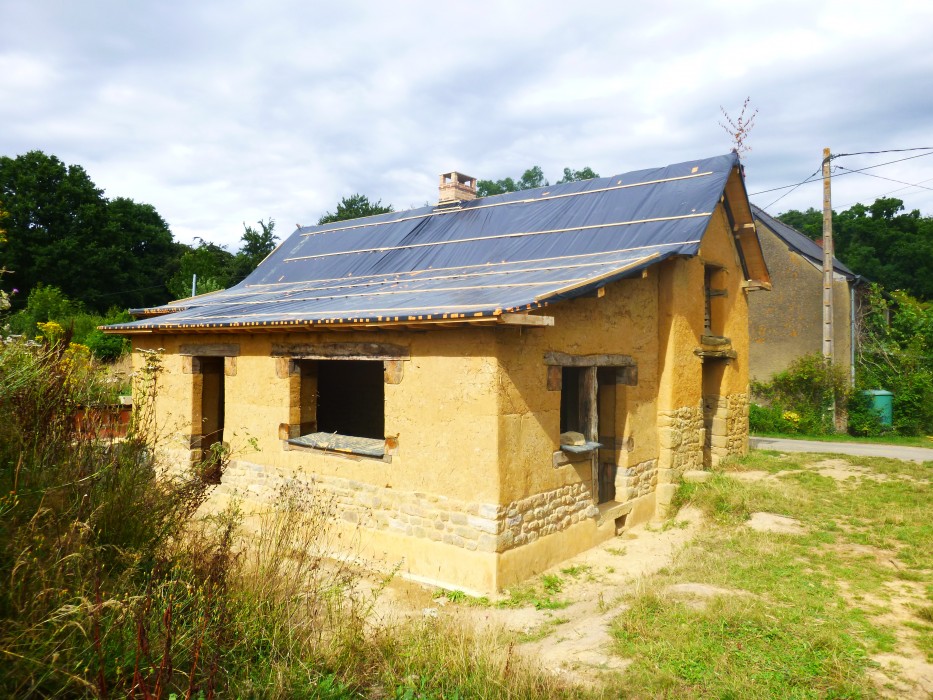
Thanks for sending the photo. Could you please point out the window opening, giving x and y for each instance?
(570, 410)
(341, 406)
(212, 413)
(351, 398)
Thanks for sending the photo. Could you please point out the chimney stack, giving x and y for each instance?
(456, 187)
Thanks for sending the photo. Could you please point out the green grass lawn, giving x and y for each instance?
(802, 615)
(909, 441)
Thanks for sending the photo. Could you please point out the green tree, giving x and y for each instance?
(530, 179)
(62, 231)
(255, 246)
(213, 264)
(576, 175)
(354, 207)
(881, 242)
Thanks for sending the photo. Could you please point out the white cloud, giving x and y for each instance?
(223, 112)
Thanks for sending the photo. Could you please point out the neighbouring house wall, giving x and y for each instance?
(787, 323)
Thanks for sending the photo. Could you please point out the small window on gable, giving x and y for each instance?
(341, 406)
(714, 296)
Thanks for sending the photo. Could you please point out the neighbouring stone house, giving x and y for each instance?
(788, 323)
(487, 386)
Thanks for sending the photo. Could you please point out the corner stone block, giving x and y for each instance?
(665, 494)
(695, 476)
(666, 476)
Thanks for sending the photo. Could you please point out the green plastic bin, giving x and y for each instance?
(882, 403)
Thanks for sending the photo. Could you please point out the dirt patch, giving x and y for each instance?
(574, 642)
(842, 470)
(905, 672)
(752, 475)
(772, 522)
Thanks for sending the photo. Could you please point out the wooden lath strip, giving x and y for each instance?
(360, 295)
(575, 256)
(524, 234)
(529, 200)
(593, 280)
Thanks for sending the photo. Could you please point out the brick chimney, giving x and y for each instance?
(456, 187)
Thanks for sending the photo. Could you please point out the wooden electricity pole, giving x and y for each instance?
(827, 261)
(828, 272)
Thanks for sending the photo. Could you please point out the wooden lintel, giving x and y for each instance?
(564, 360)
(342, 351)
(210, 349)
(525, 320)
(753, 285)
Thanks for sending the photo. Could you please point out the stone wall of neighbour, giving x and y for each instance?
(474, 526)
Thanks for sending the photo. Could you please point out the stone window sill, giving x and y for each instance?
(343, 445)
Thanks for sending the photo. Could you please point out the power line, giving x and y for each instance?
(790, 190)
(889, 179)
(849, 171)
(890, 150)
(885, 194)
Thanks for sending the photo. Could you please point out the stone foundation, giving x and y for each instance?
(681, 436)
(726, 418)
(484, 527)
(636, 481)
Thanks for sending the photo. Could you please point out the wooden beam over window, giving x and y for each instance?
(564, 360)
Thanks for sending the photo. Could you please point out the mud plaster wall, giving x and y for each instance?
(689, 383)
(472, 498)
(787, 322)
(624, 322)
(444, 411)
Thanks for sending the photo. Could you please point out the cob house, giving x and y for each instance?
(486, 386)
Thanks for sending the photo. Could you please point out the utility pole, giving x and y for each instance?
(827, 261)
(828, 271)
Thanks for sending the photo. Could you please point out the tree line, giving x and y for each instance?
(882, 242)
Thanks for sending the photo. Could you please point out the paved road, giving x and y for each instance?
(866, 449)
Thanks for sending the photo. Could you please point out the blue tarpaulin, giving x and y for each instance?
(479, 258)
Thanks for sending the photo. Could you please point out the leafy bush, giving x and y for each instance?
(896, 354)
(114, 586)
(47, 303)
(801, 398)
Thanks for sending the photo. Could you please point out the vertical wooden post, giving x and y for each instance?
(828, 271)
(827, 261)
(589, 407)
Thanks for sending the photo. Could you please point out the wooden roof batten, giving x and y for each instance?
(524, 320)
(494, 262)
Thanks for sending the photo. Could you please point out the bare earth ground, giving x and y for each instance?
(575, 641)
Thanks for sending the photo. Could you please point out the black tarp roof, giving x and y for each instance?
(510, 252)
(798, 241)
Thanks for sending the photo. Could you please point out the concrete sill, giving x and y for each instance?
(612, 510)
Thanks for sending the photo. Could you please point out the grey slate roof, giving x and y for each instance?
(799, 242)
(511, 252)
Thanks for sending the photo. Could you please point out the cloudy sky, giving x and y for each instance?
(223, 112)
